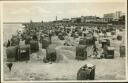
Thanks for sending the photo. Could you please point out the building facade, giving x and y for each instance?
(117, 15)
(109, 17)
(113, 16)
(88, 19)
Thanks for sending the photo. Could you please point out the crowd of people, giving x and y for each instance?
(73, 35)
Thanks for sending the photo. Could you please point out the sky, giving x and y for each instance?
(24, 12)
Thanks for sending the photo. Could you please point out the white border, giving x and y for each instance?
(60, 1)
(126, 36)
(1, 34)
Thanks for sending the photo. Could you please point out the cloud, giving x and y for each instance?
(33, 10)
(59, 12)
(41, 10)
(48, 11)
(80, 12)
(20, 11)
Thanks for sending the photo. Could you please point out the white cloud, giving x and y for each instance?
(80, 12)
(20, 11)
(34, 10)
(59, 12)
(41, 10)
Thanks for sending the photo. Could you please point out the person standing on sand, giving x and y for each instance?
(9, 65)
(50, 35)
(95, 49)
(9, 43)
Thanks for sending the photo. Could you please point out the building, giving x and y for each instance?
(76, 20)
(113, 16)
(82, 19)
(90, 19)
(103, 20)
(109, 17)
(56, 18)
(73, 20)
(117, 15)
(65, 20)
